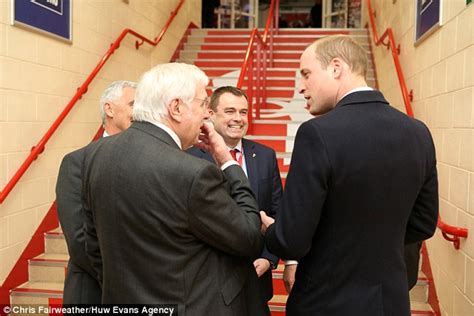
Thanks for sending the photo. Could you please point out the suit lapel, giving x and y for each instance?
(251, 163)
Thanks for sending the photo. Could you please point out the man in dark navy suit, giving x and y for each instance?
(362, 183)
(229, 113)
(81, 285)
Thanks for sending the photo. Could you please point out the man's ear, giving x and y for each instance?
(337, 66)
(108, 110)
(175, 110)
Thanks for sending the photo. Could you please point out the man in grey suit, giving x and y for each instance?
(164, 227)
(81, 286)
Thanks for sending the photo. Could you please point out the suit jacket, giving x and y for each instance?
(412, 261)
(81, 285)
(166, 227)
(362, 182)
(265, 181)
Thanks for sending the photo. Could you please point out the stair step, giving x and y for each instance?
(419, 293)
(221, 71)
(277, 304)
(421, 309)
(272, 93)
(242, 47)
(237, 63)
(55, 243)
(285, 31)
(48, 268)
(41, 293)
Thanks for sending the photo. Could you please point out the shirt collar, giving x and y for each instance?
(170, 132)
(238, 146)
(105, 134)
(357, 90)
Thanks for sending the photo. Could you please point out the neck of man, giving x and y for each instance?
(350, 83)
(111, 129)
(232, 142)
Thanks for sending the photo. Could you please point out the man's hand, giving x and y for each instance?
(266, 221)
(213, 143)
(261, 266)
(289, 276)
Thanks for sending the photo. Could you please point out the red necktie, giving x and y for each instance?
(233, 153)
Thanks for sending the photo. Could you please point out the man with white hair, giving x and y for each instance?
(81, 285)
(165, 227)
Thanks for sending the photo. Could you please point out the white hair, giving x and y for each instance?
(162, 84)
(113, 93)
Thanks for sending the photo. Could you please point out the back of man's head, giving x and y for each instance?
(343, 47)
(162, 84)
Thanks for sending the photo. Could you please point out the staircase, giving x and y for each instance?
(220, 54)
(46, 274)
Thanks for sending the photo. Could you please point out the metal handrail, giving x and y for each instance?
(390, 44)
(456, 232)
(446, 229)
(39, 148)
(264, 44)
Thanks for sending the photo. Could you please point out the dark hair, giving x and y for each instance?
(220, 91)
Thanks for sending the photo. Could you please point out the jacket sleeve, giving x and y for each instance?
(424, 215)
(290, 237)
(277, 193)
(92, 241)
(229, 221)
(70, 211)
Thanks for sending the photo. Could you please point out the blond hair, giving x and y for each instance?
(343, 47)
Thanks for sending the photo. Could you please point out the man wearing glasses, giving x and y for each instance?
(164, 227)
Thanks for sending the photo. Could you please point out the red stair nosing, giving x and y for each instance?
(243, 47)
(49, 260)
(277, 145)
(269, 129)
(270, 93)
(281, 166)
(238, 64)
(281, 32)
(270, 73)
(245, 39)
(30, 290)
(241, 55)
(279, 287)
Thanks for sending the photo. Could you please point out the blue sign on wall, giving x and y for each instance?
(428, 17)
(52, 17)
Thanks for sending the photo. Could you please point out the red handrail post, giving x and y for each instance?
(250, 96)
(265, 44)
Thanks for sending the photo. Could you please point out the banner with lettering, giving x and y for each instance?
(52, 17)
(428, 18)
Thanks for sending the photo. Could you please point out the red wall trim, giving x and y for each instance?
(19, 274)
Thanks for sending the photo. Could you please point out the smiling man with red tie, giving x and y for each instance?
(229, 113)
